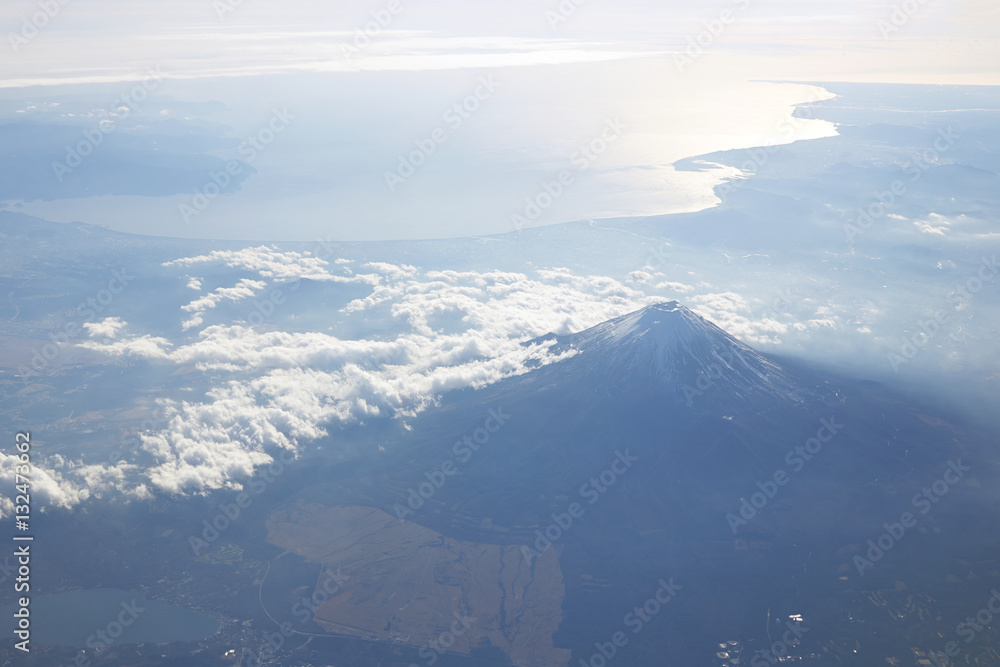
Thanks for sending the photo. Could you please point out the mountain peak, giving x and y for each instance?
(663, 325)
(666, 306)
(660, 315)
(668, 348)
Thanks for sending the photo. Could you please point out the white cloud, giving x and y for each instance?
(57, 483)
(271, 264)
(679, 288)
(935, 224)
(106, 328)
(268, 262)
(422, 333)
(244, 289)
(146, 347)
(280, 390)
(732, 313)
(392, 270)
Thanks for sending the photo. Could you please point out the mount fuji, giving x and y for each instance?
(705, 423)
(671, 352)
(552, 505)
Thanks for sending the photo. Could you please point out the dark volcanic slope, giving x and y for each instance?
(706, 414)
(707, 423)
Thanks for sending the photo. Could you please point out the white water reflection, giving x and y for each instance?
(327, 173)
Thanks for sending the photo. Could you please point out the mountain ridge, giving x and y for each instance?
(668, 349)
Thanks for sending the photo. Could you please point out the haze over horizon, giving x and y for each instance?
(932, 41)
(676, 82)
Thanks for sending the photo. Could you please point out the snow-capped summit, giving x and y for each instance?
(667, 348)
(667, 323)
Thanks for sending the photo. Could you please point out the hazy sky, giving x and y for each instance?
(946, 41)
(677, 79)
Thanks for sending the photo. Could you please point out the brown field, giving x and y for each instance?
(406, 583)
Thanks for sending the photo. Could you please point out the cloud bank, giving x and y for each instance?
(273, 391)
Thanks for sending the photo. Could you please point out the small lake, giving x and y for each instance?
(106, 616)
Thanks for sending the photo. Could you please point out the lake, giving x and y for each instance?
(105, 616)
